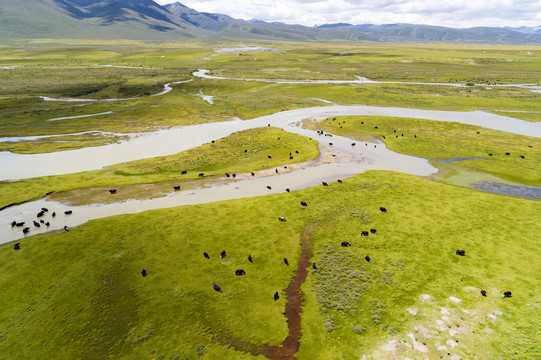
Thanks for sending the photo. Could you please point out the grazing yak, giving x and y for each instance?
(40, 214)
(42, 221)
(20, 224)
(69, 212)
(176, 188)
(250, 259)
(345, 244)
(325, 184)
(507, 294)
(276, 296)
(288, 190)
(352, 144)
(364, 233)
(522, 156)
(217, 287)
(26, 230)
(339, 181)
(222, 254)
(44, 209)
(36, 224)
(296, 151)
(270, 157)
(281, 218)
(460, 252)
(507, 153)
(66, 228)
(367, 258)
(286, 262)
(240, 272)
(484, 293)
(112, 191)
(183, 172)
(227, 174)
(373, 231)
(17, 246)
(314, 266)
(205, 254)
(13, 223)
(201, 174)
(303, 203)
(382, 209)
(144, 272)
(253, 174)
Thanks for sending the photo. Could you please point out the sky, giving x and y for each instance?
(451, 13)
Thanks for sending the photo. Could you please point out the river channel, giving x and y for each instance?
(364, 156)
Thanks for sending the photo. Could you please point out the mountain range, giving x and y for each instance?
(147, 20)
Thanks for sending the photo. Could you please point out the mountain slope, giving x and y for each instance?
(134, 19)
(206, 21)
(145, 19)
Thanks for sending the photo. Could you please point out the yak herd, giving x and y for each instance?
(240, 272)
(38, 224)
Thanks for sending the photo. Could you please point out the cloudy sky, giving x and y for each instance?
(453, 13)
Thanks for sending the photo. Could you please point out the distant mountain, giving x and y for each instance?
(526, 30)
(427, 33)
(145, 19)
(207, 21)
(326, 26)
(110, 19)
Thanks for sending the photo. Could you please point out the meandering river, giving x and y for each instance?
(147, 145)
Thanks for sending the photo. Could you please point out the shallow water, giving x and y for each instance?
(203, 73)
(366, 156)
(172, 141)
(507, 189)
(295, 180)
(80, 116)
(460, 159)
(39, 137)
(166, 88)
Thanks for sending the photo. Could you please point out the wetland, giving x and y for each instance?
(267, 127)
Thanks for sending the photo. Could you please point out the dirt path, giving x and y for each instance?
(291, 344)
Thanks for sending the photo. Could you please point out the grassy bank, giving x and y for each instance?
(436, 140)
(80, 294)
(241, 152)
(68, 69)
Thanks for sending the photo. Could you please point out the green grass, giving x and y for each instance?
(438, 140)
(213, 159)
(81, 293)
(63, 68)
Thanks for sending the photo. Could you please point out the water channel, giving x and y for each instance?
(147, 145)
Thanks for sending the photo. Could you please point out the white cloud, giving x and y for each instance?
(454, 13)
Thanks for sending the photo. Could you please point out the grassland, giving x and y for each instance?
(240, 152)
(436, 140)
(67, 69)
(80, 294)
